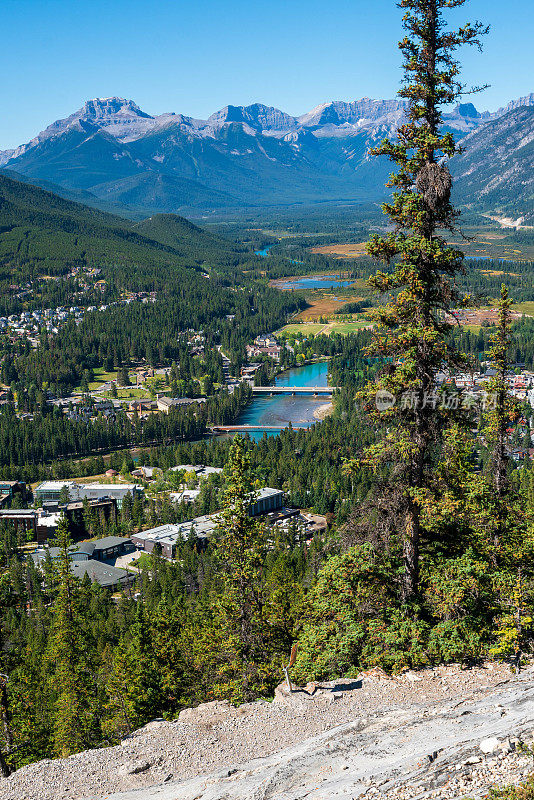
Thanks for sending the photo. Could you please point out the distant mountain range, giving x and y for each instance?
(111, 152)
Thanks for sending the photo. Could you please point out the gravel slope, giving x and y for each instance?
(411, 736)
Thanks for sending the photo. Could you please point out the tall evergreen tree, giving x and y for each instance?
(133, 684)
(248, 639)
(413, 326)
(503, 410)
(71, 675)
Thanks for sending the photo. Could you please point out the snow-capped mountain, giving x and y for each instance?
(240, 155)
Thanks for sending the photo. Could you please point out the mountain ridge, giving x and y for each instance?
(118, 114)
(51, 233)
(240, 156)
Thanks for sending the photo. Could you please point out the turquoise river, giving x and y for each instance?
(282, 409)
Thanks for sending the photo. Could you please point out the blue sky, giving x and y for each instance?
(196, 56)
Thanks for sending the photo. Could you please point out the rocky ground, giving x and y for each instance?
(439, 733)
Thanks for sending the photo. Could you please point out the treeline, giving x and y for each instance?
(27, 446)
(478, 344)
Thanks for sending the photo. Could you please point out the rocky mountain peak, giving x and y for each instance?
(258, 152)
(363, 112)
(103, 108)
(467, 110)
(257, 116)
(527, 100)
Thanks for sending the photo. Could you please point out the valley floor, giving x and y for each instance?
(415, 735)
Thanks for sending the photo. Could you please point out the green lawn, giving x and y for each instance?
(101, 376)
(524, 308)
(347, 327)
(303, 328)
(130, 394)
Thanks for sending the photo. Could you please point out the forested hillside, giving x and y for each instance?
(41, 231)
(55, 252)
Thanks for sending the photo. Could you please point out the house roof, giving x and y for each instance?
(187, 495)
(267, 491)
(170, 533)
(54, 486)
(86, 548)
(200, 469)
(148, 472)
(110, 541)
(103, 574)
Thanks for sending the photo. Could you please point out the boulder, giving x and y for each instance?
(491, 745)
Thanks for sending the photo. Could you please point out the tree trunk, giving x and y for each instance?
(411, 553)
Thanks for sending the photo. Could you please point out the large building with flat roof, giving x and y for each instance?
(104, 549)
(266, 500)
(168, 536)
(89, 558)
(104, 574)
(50, 491)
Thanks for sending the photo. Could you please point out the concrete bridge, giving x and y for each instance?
(235, 428)
(294, 390)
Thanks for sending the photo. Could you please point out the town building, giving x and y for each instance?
(9, 488)
(266, 340)
(90, 557)
(38, 525)
(12, 487)
(146, 473)
(184, 496)
(142, 375)
(166, 537)
(105, 508)
(106, 549)
(51, 491)
(165, 404)
(266, 500)
(305, 524)
(142, 405)
(105, 575)
(200, 470)
(271, 351)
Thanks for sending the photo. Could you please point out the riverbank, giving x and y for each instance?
(323, 411)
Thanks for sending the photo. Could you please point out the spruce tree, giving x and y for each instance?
(69, 660)
(133, 684)
(502, 411)
(165, 628)
(246, 641)
(412, 328)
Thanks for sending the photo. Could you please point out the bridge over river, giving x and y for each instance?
(294, 390)
(244, 428)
